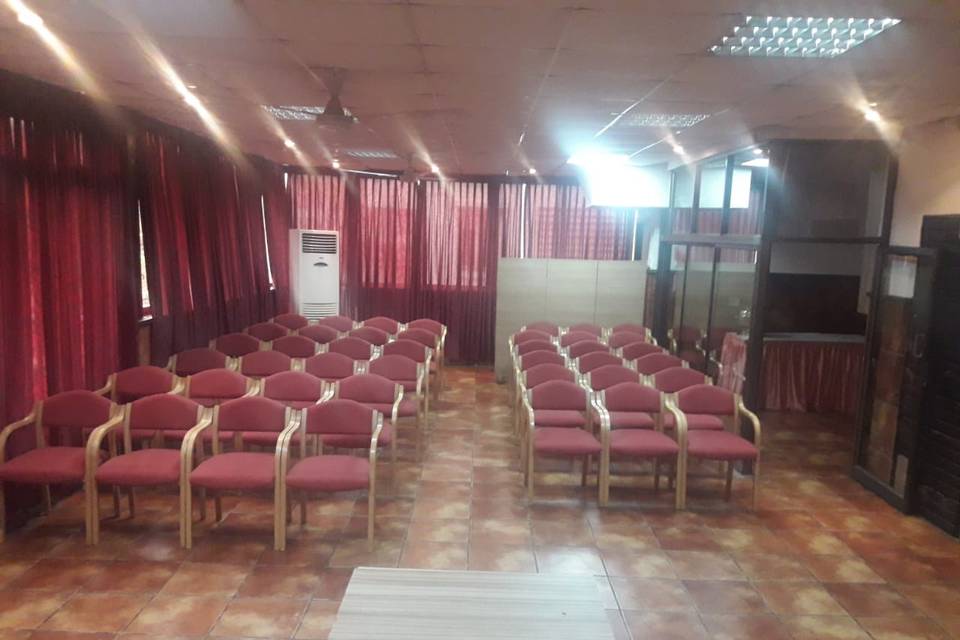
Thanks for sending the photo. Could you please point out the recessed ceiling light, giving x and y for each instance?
(191, 86)
(532, 171)
(665, 120)
(289, 144)
(799, 37)
(872, 115)
(335, 164)
(758, 151)
(434, 168)
(757, 162)
(677, 149)
(29, 18)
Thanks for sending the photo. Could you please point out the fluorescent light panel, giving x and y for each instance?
(799, 37)
(295, 112)
(371, 154)
(667, 120)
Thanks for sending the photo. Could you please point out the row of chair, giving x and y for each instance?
(581, 402)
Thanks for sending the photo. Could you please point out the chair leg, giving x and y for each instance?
(116, 502)
(203, 505)
(681, 483)
(279, 520)
(186, 518)
(530, 471)
(371, 517)
(218, 507)
(585, 469)
(656, 475)
(756, 482)
(131, 502)
(303, 509)
(93, 514)
(603, 479)
(47, 499)
(728, 486)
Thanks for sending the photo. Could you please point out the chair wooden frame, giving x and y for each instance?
(283, 452)
(680, 419)
(187, 459)
(421, 392)
(253, 387)
(394, 419)
(527, 454)
(229, 363)
(110, 388)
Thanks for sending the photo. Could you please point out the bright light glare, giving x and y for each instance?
(289, 144)
(757, 162)
(532, 171)
(799, 37)
(335, 163)
(758, 151)
(434, 168)
(677, 149)
(872, 115)
(611, 181)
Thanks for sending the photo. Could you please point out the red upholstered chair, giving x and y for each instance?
(409, 348)
(590, 361)
(587, 327)
(150, 467)
(674, 379)
(261, 364)
(355, 348)
(340, 323)
(210, 388)
(547, 327)
(371, 334)
(319, 333)
(555, 417)
(380, 394)
(723, 445)
(409, 374)
(67, 415)
(292, 321)
(337, 418)
(573, 337)
(656, 362)
(534, 345)
(622, 339)
(295, 389)
(631, 327)
(236, 344)
(439, 360)
(193, 361)
(636, 350)
(534, 358)
(537, 375)
(584, 347)
(628, 430)
(383, 323)
(238, 470)
(332, 366)
(137, 382)
(267, 331)
(527, 335)
(609, 375)
(295, 346)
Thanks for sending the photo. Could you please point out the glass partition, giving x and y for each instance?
(710, 206)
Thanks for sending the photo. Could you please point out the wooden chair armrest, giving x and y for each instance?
(531, 421)
(14, 426)
(374, 439)
(282, 458)
(395, 410)
(179, 386)
(105, 389)
(754, 421)
(95, 441)
(679, 422)
(190, 442)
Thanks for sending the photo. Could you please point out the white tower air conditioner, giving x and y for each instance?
(315, 273)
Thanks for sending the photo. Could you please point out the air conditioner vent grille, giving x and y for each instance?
(317, 310)
(318, 243)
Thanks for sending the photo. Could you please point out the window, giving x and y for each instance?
(146, 310)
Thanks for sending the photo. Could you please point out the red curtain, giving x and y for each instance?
(559, 224)
(277, 218)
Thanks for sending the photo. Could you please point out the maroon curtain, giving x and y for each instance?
(510, 204)
(277, 218)
(559, 224)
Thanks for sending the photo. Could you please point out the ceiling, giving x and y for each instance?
(458, 82)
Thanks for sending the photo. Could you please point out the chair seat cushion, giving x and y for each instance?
(630, 420)
(239, 470)
(558, 418)
(696, 422)
(140, 468)
(330, 473)
(564, 441)
(719, 445)
(359, 441)
(642, 443)
(408, 408)
(46, 465)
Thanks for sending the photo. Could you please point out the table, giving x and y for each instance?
(813, 372)
(415, 604)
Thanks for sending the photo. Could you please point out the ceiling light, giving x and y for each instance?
(872, 115)
(799, 37)
(29, 18)
(289, 144)
(295, 112)
(335, 164)
(191, 86)
(434, 168)
(666, 120)
(757, 162)
(677, 149)
(758, 151)
(532, 171)
(371, 154)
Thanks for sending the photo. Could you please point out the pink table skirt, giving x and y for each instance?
(801, 375)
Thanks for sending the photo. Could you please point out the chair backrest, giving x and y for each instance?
(543, 356)
(656, 362)
(547, 327)
(351, 346)
(535, 345)
(235, 344)
(330, 366)
(409, 348)
(253, 413)
(578, 349)
(431, 325)
(164, 412)
(212, 387)
(587, 327)
(631, 396)
(295, 389)
(529, 334)
(624, 338)
(609, 375)
(340, 416)
(424, 337)
(559, 395)
(676, 378)
(138, 382)
(267, 331)
(396, 367)
(295, 346)
(385, 324)
(261, 364)
(368, 388)
(319, 333)
(573, 337)
(193, 361)
(636, 350)
(545, 372)
(596, 359)
(340, 323)
(75, 410)
(291, 321)
(630, 327)
(706, 398)
(372, 335)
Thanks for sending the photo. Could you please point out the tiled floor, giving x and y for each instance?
(822, 558)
